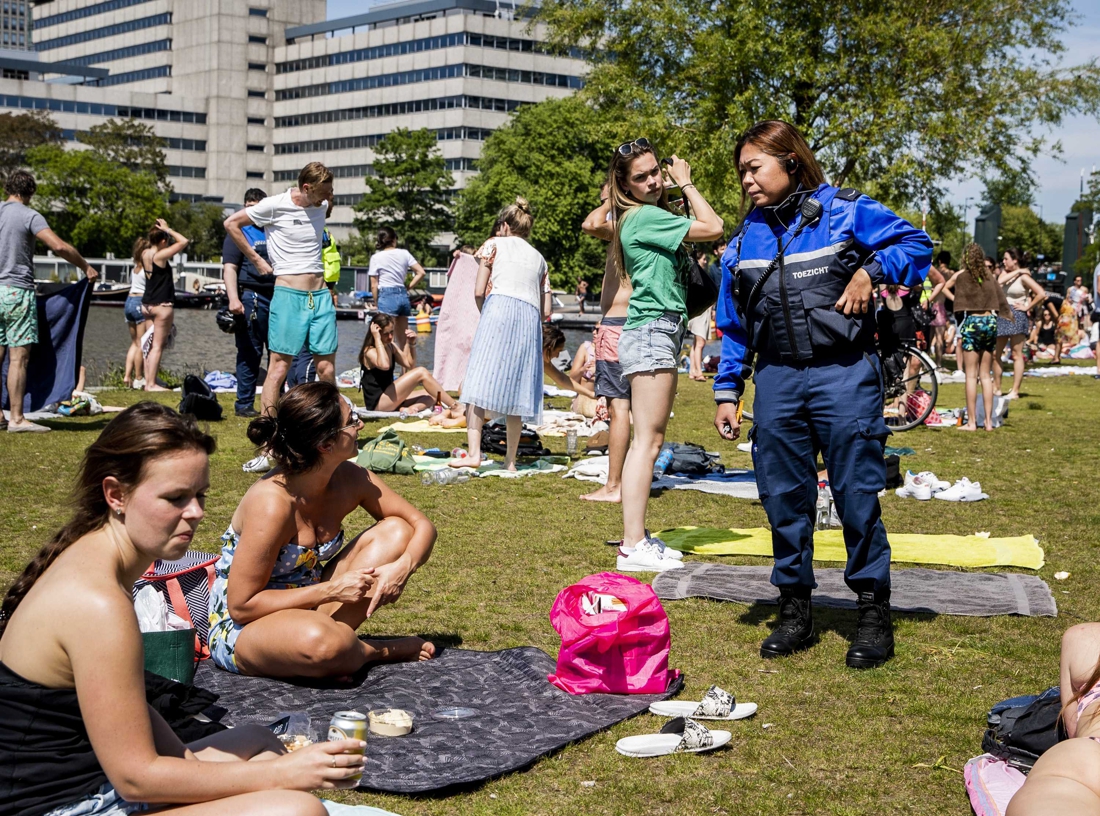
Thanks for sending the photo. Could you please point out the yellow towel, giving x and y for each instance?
(419, 426)
(953, 550)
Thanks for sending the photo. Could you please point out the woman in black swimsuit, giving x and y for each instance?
(413, 391)
(158, 304)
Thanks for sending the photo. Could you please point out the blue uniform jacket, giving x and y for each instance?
(793, 314)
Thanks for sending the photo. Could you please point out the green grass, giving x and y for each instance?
(840, 741)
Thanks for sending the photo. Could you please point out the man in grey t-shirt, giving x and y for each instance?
(20, 226)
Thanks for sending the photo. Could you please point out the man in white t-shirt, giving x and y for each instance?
(301, 306)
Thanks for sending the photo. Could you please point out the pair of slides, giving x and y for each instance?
(683, 734)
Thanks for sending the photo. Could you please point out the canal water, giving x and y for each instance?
(201, 346)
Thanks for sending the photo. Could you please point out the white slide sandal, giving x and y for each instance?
(679, 736)
(715, 705)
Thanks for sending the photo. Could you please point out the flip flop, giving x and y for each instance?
(679, 736)
(715, 705)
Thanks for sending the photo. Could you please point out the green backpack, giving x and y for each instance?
(386, 453)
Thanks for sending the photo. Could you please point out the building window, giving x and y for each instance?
(106, 31)
(253, 38)
(364, 170)
(87, 11)
(186, 172)
(123, 53)
(257, 66)
(397, 109)
(352, 142)
(255, 148)
(257, 94)
(256, 120)
(255, 174)
(135, 76)
(257, 12)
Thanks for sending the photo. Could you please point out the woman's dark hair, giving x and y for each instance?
(552, 338)
(137, 436)
(385, 238)
(305, 417)
(156, 236)
(943, 257)
(783, 141)
(383, 322)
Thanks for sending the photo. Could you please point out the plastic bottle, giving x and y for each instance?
(571, 442)
(822, 507)
(664, 459)
(418, 450)
(444, 476)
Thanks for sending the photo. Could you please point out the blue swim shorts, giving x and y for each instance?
(297, 316)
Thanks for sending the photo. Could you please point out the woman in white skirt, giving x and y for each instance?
(504, 374)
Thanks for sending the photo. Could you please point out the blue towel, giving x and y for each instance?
(55, 359)
(220, 379)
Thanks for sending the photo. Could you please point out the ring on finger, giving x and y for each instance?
(334, 760)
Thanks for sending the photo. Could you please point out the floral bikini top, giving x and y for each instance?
(295, 566)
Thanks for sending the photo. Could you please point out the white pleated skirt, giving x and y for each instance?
(504, 374)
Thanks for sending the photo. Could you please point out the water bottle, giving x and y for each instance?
(418, 450)
(458, 453)
(664, 459)
(571, 441)
(822, 507)
(427, 478)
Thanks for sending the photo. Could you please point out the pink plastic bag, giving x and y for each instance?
(614, 637)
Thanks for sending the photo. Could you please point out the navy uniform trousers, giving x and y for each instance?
(832, 406)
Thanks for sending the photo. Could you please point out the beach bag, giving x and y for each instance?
(494, 441)
(386, 453)
(1020, 734)
(693, 460)
(701, 290)
(185, 585)
(614, 637)
(199, 400)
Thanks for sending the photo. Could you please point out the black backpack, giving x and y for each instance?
(693, 460)
(1020, 734)
(199, 400)
(494, 440)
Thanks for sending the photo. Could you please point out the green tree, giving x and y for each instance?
(409, 191)
(1022, 228)
(555, 155)
(895, 97)
(1090, 257)
(19, 132)
(98, 205)
(201, 221)
(132, 144)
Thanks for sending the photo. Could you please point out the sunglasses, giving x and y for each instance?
(641, 145)
(356, 420)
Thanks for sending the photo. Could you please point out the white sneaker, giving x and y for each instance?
(260, 464)
(937, 485)
(666, 551)
(963, 490)
(915, 487)
(646, 557)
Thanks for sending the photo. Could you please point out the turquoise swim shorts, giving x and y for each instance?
(297, 316)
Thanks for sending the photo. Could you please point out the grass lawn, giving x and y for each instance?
(837, 741)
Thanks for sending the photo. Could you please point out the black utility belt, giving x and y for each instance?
(267, 292)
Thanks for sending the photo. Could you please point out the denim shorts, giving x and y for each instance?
(654, 346)
(104, 802)
(394, 300)
(132, 310)
(298, 316)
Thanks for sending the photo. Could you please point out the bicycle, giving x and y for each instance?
(904, 372)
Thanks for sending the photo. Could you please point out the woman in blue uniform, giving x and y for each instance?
(796, 293)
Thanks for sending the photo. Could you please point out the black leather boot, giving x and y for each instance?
(874, 643)
(795, 631)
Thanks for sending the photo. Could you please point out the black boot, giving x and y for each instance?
(874, 643)
(795, 631)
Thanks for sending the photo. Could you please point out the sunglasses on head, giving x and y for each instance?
(641, 145)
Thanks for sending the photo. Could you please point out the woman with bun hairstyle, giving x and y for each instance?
(77, 737)
(504, 374)
(290, 589)
(389, 269)
(797, 284)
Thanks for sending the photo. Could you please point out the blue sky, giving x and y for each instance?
(1058, 179)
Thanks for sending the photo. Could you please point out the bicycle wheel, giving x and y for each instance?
(910, 388)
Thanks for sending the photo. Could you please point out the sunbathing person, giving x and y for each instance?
(553, 343)
(414, 390)
(76, 733)
(1066, 778)
(298, 589)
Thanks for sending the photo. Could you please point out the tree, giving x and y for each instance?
(409, 191)
(202, 223)
(1090, 257)
(98, 205)
(19, 132)
(131, 144)
(554, 154)
(1022, 228)
(895, 97)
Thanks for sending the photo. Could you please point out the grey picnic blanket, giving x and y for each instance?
(519, 715)
(738, 484)
(945, 592)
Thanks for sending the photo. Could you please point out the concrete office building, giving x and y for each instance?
(247, 91)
